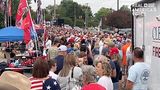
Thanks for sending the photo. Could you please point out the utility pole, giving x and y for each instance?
(75, 14)
(117, 5)
(86, 16)
(54, 9)
(5, 12)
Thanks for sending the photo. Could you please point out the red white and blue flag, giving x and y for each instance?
(21, 11)
(26, 24)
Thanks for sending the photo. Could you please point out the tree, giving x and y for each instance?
(119, 19)
(80, 23)
(33, 14)
(103, 12)
(50, 10)
(125, 8)
(77, 13)
(68, 20)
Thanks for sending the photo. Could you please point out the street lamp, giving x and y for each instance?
(74, 7)
(4, 2)
(86, 16)
(117, 5)
(54, 9)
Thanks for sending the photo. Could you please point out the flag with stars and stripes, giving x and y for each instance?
(51, 84)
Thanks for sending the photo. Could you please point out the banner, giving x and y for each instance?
(26, 25)
(20, 12)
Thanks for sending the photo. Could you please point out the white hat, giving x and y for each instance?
(62, 48)
(14, 79)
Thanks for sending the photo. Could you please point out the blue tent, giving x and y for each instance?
(11, 34)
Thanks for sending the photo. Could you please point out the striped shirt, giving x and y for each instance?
(36, 84)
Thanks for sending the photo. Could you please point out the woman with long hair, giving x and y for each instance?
(70, 76)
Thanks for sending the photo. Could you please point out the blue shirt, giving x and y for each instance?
(59, 61)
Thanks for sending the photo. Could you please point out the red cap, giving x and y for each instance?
(71, 40)
(113, 51)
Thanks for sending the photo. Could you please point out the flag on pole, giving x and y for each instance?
(10, 8)
(20, 12)
(28, 27)
(26, 24)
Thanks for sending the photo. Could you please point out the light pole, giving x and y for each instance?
(117, 5)
(5, 12)
(54, 9)
(86, 16)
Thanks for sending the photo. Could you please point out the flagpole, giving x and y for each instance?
(35, 36)
(10, 20)
(10, 12)
(5, 14)
(5, 18)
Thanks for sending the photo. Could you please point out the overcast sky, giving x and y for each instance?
(94, 4)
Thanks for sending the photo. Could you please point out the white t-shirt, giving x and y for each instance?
(48, 44)
(106, 82)
(139, 75)
(101, 47)
(53, 75)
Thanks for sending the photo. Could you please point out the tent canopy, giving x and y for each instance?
(11, 34)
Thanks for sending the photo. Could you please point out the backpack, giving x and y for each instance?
(68, 82)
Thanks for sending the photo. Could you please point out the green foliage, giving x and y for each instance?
(93, 22)
(68, 21)
(80, 23)
(103, 12)
(33, 14)
(50, 10)
(125, 8)
(72, 11)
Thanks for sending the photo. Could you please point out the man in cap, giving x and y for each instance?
(62, 51)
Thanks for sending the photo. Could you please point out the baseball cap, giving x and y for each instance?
(62, 48)
(113, 51)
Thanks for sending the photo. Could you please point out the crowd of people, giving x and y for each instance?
(83, 60)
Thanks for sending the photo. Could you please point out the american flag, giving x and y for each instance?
(39, 84)
(36, 84)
